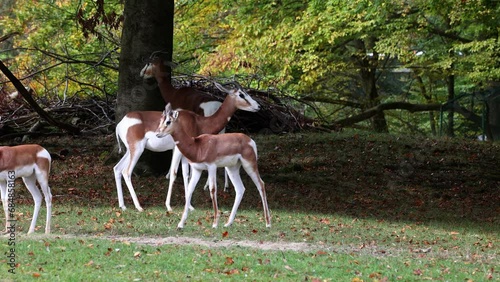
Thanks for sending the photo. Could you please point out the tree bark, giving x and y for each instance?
(147, 27)
(451, 113)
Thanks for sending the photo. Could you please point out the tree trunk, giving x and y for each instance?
(368, 72)
(147, 27)
(451, 113)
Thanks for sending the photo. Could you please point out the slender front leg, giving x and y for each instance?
(174, 166)
(195, 176)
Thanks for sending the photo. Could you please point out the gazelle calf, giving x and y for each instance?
(207, 152)
(32, 163)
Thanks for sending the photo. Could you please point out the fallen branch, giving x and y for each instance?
(27, 96)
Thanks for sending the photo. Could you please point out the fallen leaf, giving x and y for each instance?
(137, 254)
(229, 261)
(36, 274)
(225, 234)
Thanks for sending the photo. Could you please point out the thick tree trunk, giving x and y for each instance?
(147, 27)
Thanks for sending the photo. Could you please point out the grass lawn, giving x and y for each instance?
(345, 207)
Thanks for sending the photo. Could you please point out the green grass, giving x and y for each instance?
(354, 207)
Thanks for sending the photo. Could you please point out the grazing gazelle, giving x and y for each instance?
(31, 163)
(207, 152)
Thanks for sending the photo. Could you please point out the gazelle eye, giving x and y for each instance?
(242, 96)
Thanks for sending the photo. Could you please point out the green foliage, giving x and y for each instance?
(318, 48)
(58, 56)
(314, 50)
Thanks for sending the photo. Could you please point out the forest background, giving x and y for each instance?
(412, 67)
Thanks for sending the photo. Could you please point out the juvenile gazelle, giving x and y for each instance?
(207, 152)
(31, 163)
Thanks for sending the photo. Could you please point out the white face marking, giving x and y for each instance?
(146, 71)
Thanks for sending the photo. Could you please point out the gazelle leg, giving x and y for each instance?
(135, 154)
(212, 180)
(239, 188)
(195, 177)
(3, 192)
(254, 175)
(118, 169)
(226, 182)
(174, 165)
(30, 182)
(44, 185)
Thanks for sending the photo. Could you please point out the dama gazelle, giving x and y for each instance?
(136, 130)
(195, 125)
(31, 163)
(207, 152)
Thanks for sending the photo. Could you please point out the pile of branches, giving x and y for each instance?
(96, 115)
(276, 115)
(86, 115)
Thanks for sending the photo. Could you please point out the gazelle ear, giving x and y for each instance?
(168, 108)
(175, 114)
(221, 88)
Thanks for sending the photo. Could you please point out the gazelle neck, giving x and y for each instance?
(186, 144)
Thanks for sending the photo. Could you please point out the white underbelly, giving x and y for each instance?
(18, 172)
(227, 161)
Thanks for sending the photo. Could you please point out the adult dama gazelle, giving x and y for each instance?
(207, 152)
(31, 163)
(137, 129)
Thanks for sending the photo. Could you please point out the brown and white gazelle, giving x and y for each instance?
(137, 129)
(32, 163)
(137, 132)
(207, 152)
(195, 125)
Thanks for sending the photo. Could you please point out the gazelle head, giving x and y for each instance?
(243, 101)
(155, 65)
(168, 118)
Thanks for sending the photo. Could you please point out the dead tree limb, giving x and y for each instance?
(384, 107)
(27, 96)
